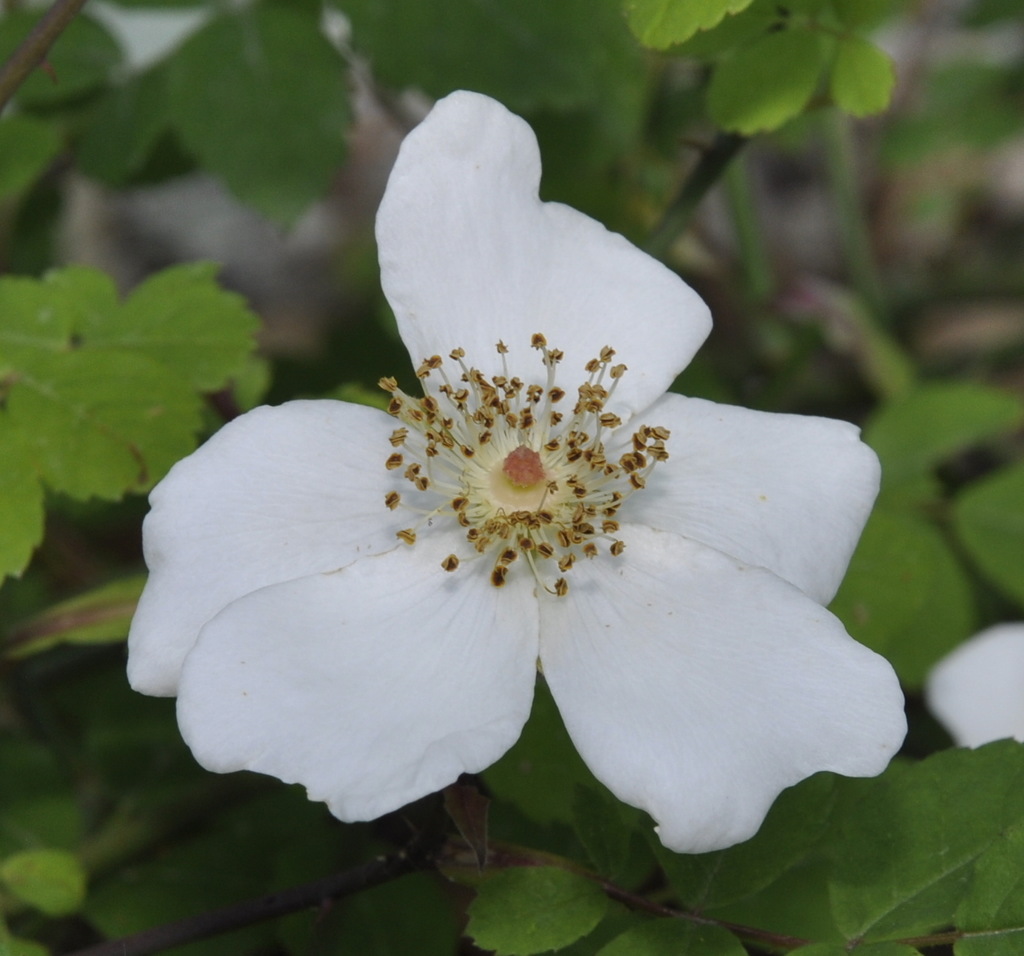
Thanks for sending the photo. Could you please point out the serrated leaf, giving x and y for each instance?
(674, 937)
(994, 905)
(905, 854)
(181, 318)
(52, 881)
(33, 324)
(98, 617)
(532, 909)
(905, 595)
(79, 62)
(767, 82)
(862, 78)
(917, 432)
(26, 148)
(101, 423)
(662, 23)
(989, 518)
(274, 132)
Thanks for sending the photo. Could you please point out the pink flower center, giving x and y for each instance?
(523, 467)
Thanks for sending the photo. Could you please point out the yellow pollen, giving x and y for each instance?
(523, 467)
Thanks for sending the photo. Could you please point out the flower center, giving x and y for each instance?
(521, 477)
(523, 467)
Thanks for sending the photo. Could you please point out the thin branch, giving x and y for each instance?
(270, 906)
(33, 49)
(705, 174)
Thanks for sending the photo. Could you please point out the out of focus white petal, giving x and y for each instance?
(977, 691)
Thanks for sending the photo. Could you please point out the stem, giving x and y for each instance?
(853, 225)
(33, 49)
(760, 280)
(705, 174)
(269, 906)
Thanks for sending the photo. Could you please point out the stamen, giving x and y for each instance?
(491, 456)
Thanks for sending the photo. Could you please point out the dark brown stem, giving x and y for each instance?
(270, 906)
(33, 49)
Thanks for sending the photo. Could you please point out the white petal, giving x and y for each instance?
(470, 255)
(372, 686)
(276, 494)
(789, 493)
(698, 688)
(977, 691)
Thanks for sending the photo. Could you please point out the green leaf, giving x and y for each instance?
(914, 434)
(673, 937)
(26, 148)
(598, 820)
(124, 128)
(21, 503)
(661, 23)
(580, 53)
(101, 423)
(791, 831)
(905, 594)
(906, 851)
(862, 77)
(34, 324)
(869, 949)
(98, 617)
(733, 31)
(181, 318)
(994, 906)
(989, 518)
(527, 910)
(52, 881)
(540, 772)
(862, 13)
(99, 398)
(767, 82)
(80, 61)
(410, 916)
(260, 96)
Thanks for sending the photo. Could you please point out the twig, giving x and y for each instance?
(262, 908)
(33, 49)
(705, 174)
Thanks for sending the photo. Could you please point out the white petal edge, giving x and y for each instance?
(977, 691)
(789, 493)
(470, 255)
(278, 493)
(697, 688)
(371, 686)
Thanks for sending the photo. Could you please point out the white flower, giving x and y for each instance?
(977, 690)
(361, 604)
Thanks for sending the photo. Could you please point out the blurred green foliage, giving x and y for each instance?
(887, 292)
